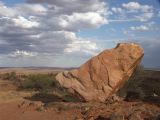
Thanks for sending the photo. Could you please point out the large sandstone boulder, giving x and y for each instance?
(103, 75)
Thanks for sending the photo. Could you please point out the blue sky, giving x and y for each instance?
(13, 2)
(66, 33)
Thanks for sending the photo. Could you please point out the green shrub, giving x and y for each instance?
(142, 82)
(9, 76)
(39, 82)
(133, 83)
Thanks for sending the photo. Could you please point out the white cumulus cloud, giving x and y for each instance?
(49, 31)
(145, 16)
(117, 10)
(22, 53)
(82, 20)
(25, 23)
(134, 6)
(139, 28)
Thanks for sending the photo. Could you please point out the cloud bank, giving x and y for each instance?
(49, 28)
(46, 32)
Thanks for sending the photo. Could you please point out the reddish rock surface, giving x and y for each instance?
(104, 74)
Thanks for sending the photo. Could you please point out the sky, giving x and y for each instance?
(66, 33)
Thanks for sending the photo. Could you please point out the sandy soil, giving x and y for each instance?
(29, 110)
(15, 110)
(20, 105)
(15, 106)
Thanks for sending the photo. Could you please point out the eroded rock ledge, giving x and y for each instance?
(103, 75)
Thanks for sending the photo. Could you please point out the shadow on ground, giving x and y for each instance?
(135, 97)
(152, 100)
(47, 98)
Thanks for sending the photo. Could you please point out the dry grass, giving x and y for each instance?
(27, 71)
(8, 96)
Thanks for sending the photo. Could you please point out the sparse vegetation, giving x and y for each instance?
(141, 84)
(41, 82)
(9, 76)
(37, 82)
(47, 86)
(42, 93)
(132, 85)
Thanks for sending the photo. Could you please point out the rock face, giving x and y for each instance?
(103, 75)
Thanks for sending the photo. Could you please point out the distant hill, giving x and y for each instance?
(32, 67)
(32, 70)
(153, 69)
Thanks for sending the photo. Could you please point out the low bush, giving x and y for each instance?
(142, 83)
(48, 89)
(39, 82)
(9, 76)
(133, 83)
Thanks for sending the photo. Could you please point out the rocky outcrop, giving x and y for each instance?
(103, 75)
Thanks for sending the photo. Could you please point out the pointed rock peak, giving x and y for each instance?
(103, 75)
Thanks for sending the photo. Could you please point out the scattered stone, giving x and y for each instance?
(26, 105)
